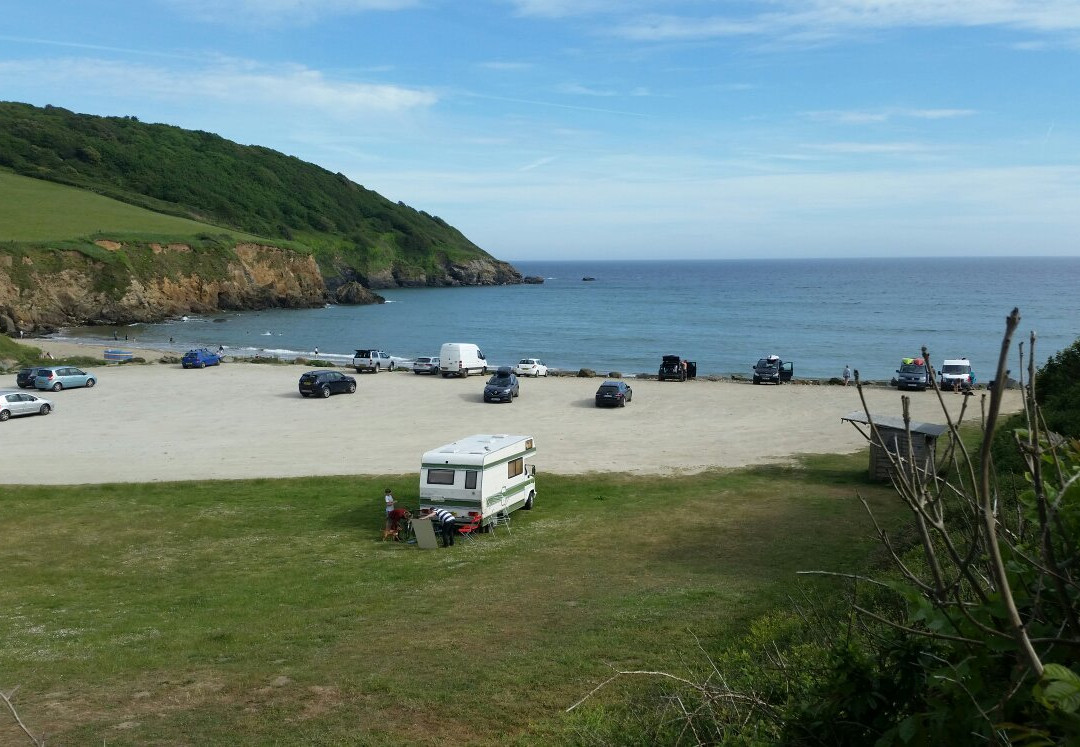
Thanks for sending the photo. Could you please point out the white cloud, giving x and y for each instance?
(869, 148)
(274, 12)
(809, 20)
(876, 116)
(577, 89)
(238, 82)
(564, 8)
(507, 66)
(933, 211)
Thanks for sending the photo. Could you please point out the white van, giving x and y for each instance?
(956, 374)
(461, 359)
(480, 475)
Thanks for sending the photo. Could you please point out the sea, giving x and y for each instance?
(821, 314)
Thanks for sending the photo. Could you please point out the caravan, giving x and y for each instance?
(483, 475)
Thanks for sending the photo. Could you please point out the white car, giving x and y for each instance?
(20, 403)
(531, 367)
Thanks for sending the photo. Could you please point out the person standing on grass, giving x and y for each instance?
(447, 525)
(388, 499)
(847, 375)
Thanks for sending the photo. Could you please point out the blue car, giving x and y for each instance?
(56, 378)
(200, 358)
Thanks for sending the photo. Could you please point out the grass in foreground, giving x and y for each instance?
(268, 611)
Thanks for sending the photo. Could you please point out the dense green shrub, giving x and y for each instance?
(1057, 390)
(252, 189)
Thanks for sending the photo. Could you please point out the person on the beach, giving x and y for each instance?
(221, 350)
(447, 525)
(316, 352)
(847, 375)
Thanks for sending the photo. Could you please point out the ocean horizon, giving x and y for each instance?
(822, 314)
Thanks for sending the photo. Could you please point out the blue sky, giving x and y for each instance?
(608, 129)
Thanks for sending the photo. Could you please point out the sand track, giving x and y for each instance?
(145, 423)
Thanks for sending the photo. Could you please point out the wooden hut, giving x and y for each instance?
(889, 437)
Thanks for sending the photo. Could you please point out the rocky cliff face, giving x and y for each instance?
(47, 289)
(118, 283)
(479, 271)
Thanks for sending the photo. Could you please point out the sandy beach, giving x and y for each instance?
(145, 423)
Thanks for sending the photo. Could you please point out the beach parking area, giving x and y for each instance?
(158, 422)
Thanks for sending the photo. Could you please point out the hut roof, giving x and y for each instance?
(895, 423)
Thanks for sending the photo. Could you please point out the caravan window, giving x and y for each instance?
(515, 467)
(440, 477)
(470, 479)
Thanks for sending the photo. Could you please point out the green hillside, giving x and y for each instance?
(33, 210)
(354, 232)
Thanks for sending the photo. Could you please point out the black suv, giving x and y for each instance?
(672, 369)
(503, 386)
(25, 378)
(614, 394)
(325, 383)
(774, 370)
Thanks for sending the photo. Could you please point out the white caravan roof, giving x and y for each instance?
(473, 450)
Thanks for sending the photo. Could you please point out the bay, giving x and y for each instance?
(822, 314)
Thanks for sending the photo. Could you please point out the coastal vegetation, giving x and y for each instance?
(968, 632)
(355, 233)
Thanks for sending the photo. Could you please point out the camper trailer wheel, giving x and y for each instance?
(528, 502)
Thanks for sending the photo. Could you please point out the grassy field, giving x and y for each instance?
(270, 612)
(38, 210)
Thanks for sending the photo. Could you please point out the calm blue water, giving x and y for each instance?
(821, 314)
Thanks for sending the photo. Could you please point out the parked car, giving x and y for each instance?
(531, 367)
(200, 358)
(503, 386)
(672, 368)
(13, 404)
(425, 365)
(914, 373)
(25, 378)
(772, 369)
(372, 360)
(62, 377)
(614, 394)
(325, 383)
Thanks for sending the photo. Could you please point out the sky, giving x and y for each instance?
(618, 129)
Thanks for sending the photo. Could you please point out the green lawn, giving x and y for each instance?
(39, 210)
(268, 611)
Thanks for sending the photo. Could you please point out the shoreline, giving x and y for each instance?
(67, 347)
(158, 422)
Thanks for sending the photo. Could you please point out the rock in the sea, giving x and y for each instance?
(532, 280)
(355, 294)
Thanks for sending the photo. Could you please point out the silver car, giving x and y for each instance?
(21, 403)
(425, 365)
